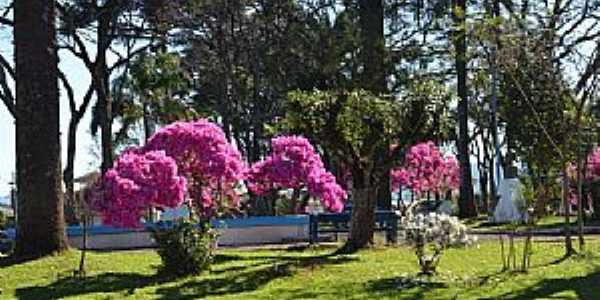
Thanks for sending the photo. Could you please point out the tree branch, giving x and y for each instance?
(86, 102)
(63, 79)
(590, 70)
(126, 60)
(7, 96)
(6, 65)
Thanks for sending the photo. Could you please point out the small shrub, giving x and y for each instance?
(186, 248)
(431, 234)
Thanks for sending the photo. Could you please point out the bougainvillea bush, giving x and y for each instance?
(431, 234)
(591, 182)
(137, 182)
(212, 166)
(294, 164)
(184, 158)
(593, 165)
(593, 176)
(425, 169)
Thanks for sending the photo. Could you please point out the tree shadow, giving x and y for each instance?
(12, 259)
(102, 283)
(253, 274)
(585, 287)
(8, 261)
(413, 286)
(250, 278)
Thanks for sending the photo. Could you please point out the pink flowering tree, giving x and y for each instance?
(294, 164)
(184, 158)
(593, 165)
(593, 175)
(591, 179)
(212, 166)
(425, 169)
(138, 181)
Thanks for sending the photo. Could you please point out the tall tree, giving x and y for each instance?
(466, 203)
(358, 129)
(373, 77)
(41, 229)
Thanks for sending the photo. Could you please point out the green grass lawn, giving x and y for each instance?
(386, 273)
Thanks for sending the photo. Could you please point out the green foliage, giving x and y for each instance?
(537, 107)
(358, 127)
(155, 89)
(185, 249)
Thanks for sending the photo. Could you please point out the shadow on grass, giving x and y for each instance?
(584, 287)
(102, 283)
(413, 286)
(259, 271)
(249, 279)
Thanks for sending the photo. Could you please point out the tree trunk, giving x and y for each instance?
(567, 206)
(595, 186)
(68, 174)
(102, 85)
(580, 176)
(363, 219)
(466, 203)
(41, 225)
(372, 41)
(483, 182)
(373, 77)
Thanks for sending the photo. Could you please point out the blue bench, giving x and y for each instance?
(386, 221)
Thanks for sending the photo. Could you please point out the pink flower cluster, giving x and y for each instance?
(294, 163)
(212, 166)
(593, 165)
(426, 170)
(592, 175)
(137, 182)
(192, 157)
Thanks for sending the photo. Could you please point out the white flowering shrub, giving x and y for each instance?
(431, 234)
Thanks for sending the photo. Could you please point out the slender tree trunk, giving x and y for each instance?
(567, 206)
(495, 157)
(84, 237)
(41, 225)
(580, 195)
(467, 206)
(68, 174)
(146, 121)
(595, 187)
(102, 85)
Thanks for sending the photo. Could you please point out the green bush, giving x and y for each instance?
(185, 249)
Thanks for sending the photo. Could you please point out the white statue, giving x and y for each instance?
(511, 207)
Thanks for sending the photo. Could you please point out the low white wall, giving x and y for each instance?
(262, 235)
(227, 237)
(128, 240)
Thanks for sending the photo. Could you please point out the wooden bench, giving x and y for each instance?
(386, 221)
